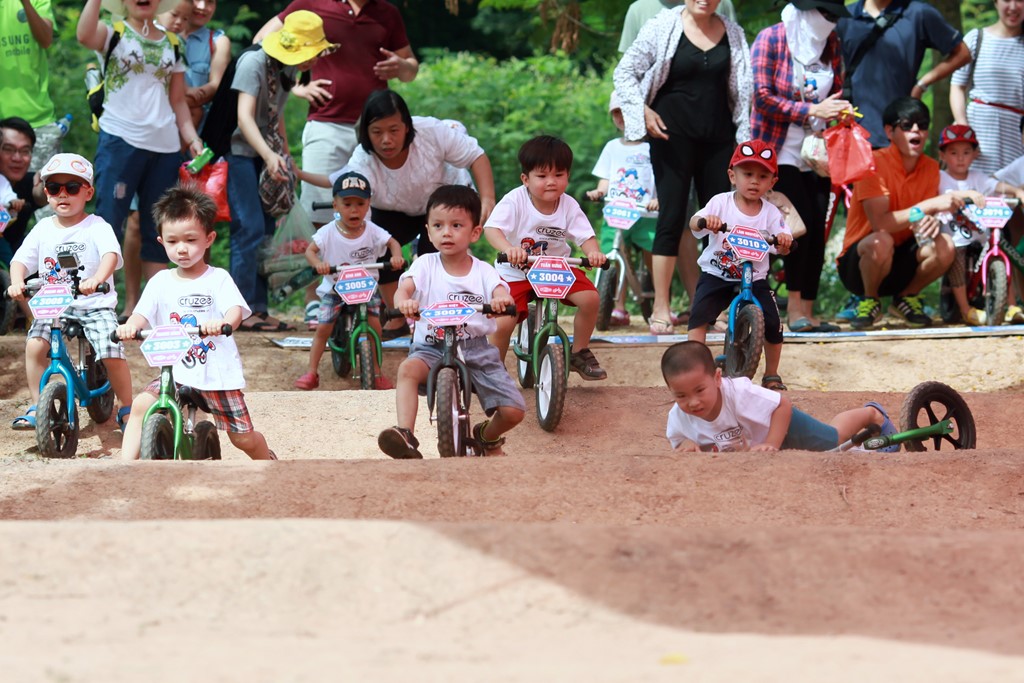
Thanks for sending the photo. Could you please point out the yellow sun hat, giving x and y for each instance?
(299, 40)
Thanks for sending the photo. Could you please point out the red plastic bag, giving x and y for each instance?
(849, 152)
(213, 180)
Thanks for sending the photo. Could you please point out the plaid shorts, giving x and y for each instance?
(331, 303)
(97, 323)
(227, 407)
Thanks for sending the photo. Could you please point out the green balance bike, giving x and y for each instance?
(354, 345)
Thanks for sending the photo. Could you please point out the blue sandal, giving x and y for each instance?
(27, 421)
(122, 416)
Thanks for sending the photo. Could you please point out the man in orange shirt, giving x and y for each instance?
(880, 256)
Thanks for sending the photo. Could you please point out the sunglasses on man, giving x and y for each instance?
(907, 126)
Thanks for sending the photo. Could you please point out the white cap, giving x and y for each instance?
(613, 102)
(71, 164)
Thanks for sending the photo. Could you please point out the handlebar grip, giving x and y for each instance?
(316, 206)
(226, 330)
(502, 257)
(509, 310)
(865, 434)
(115, 337)
(585, 263)
(103, 287)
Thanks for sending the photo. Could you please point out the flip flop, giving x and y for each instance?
(122, 417)
(280, 327)
(825, 327)
(660, 327)
(256, 327)
(773, 382)
(25, 422)
(801, 325)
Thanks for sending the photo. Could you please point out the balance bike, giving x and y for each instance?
(84, 383)
(626, 267)
(933, 417)
(353, 343)
(744, 339)
(541, 365)
(167, 434)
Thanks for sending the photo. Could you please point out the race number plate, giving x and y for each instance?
(551, 277)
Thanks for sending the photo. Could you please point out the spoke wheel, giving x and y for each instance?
(996, 293)
(450, 441)
(8, 307)
(102, 406)
(607, 283)
(207, 442)
(157, 438)
(551, 385)
(55, 436)
(932, 402)
(367, 366)
(524, 368)
(743, 354)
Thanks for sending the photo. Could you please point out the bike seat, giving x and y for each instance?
(187, 396)
(73, 329)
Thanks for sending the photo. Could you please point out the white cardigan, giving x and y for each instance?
(644, 68)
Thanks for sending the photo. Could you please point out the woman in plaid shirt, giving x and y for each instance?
(798, 78)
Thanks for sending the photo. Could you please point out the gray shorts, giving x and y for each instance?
(491, 381)
(97, 323)
(326, 148)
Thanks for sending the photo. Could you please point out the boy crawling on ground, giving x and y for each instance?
(715, 413)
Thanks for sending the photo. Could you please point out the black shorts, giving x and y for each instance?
(904, 267)
(713, 295)
(405, 229)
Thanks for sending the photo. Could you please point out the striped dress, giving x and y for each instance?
(997, 75)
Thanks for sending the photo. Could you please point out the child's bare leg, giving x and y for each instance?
(36, 351)
(374, 322)
(120, 379)
(960, 295)
(698, 334)
(132, 262)
(252, 444)
(849, 422)
(316, 352)
(586, 318)
(501, 336)
(503, 420)
(131, 443)
(772, 358)
(411, 374)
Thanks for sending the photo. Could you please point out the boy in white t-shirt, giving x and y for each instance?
(453, 274)
(347, 241)
(712, 413)
(539, 219)
(67, 181)
(195, 295)
(753, 171)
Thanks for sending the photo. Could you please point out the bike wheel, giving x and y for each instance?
(450, 441)
(743, 355)
(157, 438)
(367, 366)
(932, 402)
(996, 291)
(524, 368)
(102, 406)
(8, 307)
(551, 386)
(56, 437)
(607, 283)
(207, 443)
(948, 310)
(339, 348)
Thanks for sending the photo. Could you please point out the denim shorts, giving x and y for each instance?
(491, 381)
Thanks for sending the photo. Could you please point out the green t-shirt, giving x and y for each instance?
(24, 71)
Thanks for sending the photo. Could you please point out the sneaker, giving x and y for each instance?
(974, 317)
(910, 309)
(308, 382)
(399, 443)
(887, 427)
(869, 312)
(849, 311)
(1014, 315)
(584, 362)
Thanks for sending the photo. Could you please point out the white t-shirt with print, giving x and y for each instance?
(718, 258)
(742, 423)
(538, 233)
(7, 193)
(169, 298)
(434, 284)
(975, 180)
(628, 170)
(339, 250)
(136, 104)
(90, 240)
(407, 189)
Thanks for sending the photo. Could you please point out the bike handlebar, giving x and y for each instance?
(225, 331)
(35, 284)
(392, 313)
(1012, 202)
(386, 267)
(316, 206)
(772, 240)
(572, 261)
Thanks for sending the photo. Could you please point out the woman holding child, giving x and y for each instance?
(685, 82)
(798, 79)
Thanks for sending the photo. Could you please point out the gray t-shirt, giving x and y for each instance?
(251, 78)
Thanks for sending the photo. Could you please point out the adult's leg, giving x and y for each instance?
(248, 226)
(118, 168)
(161, 175)
(326, 148)
(809, 194)
(673, 163)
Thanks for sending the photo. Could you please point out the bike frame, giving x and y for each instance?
(360, 328)
(873, 443)
(546, 318)
(621, 254)
(166, 402)
(745, 296)
(74, 376)
(993, 250)
(449, 359)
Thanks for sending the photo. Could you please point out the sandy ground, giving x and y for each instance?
(590, 554)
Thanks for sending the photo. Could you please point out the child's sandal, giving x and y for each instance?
(773, 382)
(485, 445)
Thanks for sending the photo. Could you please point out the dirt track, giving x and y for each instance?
(593, 554)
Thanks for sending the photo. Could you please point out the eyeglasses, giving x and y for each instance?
(53, 189)
(16, 151)
(908, 126)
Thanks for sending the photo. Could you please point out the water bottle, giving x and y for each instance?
(916, 216)
(197, 164)
(64, 124)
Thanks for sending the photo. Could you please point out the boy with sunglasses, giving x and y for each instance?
(880, 256)
(67, 181)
